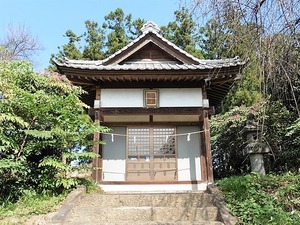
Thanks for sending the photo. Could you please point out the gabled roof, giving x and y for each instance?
(150, 35)
(151, 65)
(134, 65)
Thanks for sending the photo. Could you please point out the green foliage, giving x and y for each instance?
(292, 151)
(294, 131)
(183, 32)
(228, 144)
(94, 38)
(257, 199)
(120, 27)
(98, 42)
(245, 92)
(42, 123)
(91, 185)
(227, 36)
(271, 75)
(277, 119)
(31, 203)
(281, 70)
(213, 39)
(70, 50)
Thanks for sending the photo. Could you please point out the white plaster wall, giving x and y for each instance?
(114, 156)
(188, 161)
(168, 97)
(180, 97)
(122, 98)
(113, 170)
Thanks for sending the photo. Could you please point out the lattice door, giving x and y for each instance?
(151, 154)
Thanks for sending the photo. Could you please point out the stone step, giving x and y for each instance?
(149, 223)
(143, 214)
(186, 208)
(153, 200)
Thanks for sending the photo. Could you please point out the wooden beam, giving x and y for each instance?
(154, 111)
(115, 124)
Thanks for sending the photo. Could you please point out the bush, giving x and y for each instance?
(281, 136)
(42, 122)
(257, 199)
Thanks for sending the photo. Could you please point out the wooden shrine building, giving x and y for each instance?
(157, 99)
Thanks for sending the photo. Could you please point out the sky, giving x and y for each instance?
(48, 20)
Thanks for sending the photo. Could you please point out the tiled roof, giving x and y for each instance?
(203, 64)
(177, 69)
(160, 37)
(152, 28)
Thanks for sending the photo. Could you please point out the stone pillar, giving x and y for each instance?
(257, 163)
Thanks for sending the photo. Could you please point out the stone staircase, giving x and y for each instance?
(196, 208)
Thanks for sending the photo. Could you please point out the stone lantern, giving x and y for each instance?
(255, 147)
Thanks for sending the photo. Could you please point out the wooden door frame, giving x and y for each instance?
(151, 150)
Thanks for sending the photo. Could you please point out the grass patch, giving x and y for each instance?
(30, 204)
(257, 199)
(91, 185)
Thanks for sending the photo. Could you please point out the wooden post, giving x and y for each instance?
(202, 152)
(208, 155)
(96, 171)
(207, 147)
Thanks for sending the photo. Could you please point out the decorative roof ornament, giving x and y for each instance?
(150, 27)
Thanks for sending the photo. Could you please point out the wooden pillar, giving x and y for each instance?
(202, 152)
(96, 174)
(209, 167)
(207, 146)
